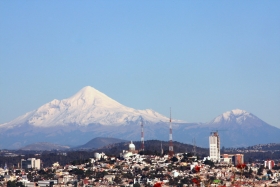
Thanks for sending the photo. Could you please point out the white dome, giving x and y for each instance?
(131, 147)
(97, 156)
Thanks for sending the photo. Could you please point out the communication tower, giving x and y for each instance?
(142, 135)
(171, 152)
(194, 147)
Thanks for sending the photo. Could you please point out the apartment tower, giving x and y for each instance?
(214, 146)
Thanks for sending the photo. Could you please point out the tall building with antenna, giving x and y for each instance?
(171, 151)
(142, 135)
(214, 146)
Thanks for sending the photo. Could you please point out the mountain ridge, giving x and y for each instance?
(90, 113)
(85, 107)
(44, 146)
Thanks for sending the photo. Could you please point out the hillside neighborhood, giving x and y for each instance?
(132, 168)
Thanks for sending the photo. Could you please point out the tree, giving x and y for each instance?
(128, 175)
(117, 179)
(174, 159)
(18, 172)
(185, 180)
(19, 184)
(260, 170)
(184, 160)
(136, 185)
(209, 162)
(250, 171)
(146, 168)
(14, 184)
(89, 172)
(11, 184)
(270, 172)
(189, 154)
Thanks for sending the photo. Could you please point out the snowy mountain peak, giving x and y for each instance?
(88, 92)
(90, 96)
(87, 106)
(238, 112)
(236, 115)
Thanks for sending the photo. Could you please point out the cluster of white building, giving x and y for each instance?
(31, 163)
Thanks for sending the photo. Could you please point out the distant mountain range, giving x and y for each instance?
(115, 146)
(44, 146)
(95, 143)
(237, 128)
(90, 113)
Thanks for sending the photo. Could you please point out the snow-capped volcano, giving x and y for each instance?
(88, 106)
(236, 119)
(238, 116)
(90, 113)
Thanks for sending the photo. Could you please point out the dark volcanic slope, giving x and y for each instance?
(99, 142)
(40, 146)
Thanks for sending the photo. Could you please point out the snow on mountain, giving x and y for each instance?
(236, 118)
(241, 128)
(88, 106)
(90, 113)
(236, 115)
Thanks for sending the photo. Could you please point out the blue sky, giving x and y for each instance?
(201, 58)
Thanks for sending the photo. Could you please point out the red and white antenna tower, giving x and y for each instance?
(171, 152)
(142, 135)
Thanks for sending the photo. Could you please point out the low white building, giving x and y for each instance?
(131, 151)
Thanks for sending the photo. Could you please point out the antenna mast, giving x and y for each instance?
(171, 152)
(194, 147)
(142, 135)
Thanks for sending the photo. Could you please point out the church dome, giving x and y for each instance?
(131, 147)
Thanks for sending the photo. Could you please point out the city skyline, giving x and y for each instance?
(200, 58)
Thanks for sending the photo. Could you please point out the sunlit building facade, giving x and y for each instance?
(214, 146)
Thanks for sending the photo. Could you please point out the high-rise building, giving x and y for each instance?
(31, 163)
(214, 146)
